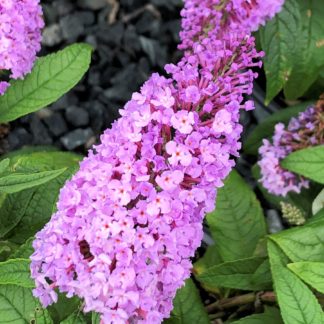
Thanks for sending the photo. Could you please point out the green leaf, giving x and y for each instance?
(95, 318)
(278, 42)
(309, 55)
(44, 160)
(64, 307)
(16, 272)
(296, 301)
(4, 164)
(308, 162)
(270, 316)
(6, 249)
(265, 130)
(209, 259)
(188, 307)
(318, 217)
(24, 251)
(51, 77)
(310, 272)
(238, 223)
(32, 208)
(13, 210)
(75, 318)
(18, 306)
(318, 203)
(246, 274)
(304, 243)
(16, 182)
(317, 87)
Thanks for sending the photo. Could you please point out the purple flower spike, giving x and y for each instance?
(131, 218)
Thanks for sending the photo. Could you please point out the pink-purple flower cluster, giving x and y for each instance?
(131, 218)
(223, 18)
(20, 35)
(304, 131)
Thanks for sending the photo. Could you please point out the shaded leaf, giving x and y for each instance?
(309, 55)
(24, 251)
(64, 308)
(75, 318)
(209, 259)
(188, 307)
(6, 249)
(12, 210)
(237, 224)
(270, 316)
(278, 42)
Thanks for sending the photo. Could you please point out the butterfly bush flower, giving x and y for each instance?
(206, 17)
(304, 131)
(130, 219)
(20, 35)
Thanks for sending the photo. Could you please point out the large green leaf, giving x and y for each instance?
(297, 303)
(238, 223)
(309, 55)
(278, 42)
(304, 243)
(310, 272)
(270, 316)
(16, 182)
(35, 206)
(308, 162)
(51, 77)
(246, 274)
(18, 306)
(16, 272)
(265, 129)
(187, 306)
